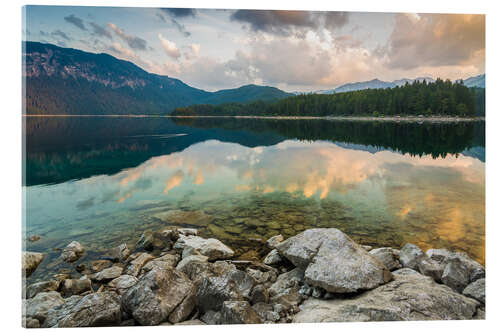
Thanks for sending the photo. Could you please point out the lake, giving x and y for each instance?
(104, 180)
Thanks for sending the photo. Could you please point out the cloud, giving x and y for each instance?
(436, 40)
(100, 31)
(169, 47)
(179, 12)
(181, 27)
(76, 21)
(59, 33)
(290, 22)
(133, 42)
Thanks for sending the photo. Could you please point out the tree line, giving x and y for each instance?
(439, 98)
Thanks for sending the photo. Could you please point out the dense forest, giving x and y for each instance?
(442, 98)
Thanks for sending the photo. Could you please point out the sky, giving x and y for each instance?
(216, 49)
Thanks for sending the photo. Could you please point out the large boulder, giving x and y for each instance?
(72, 252)
(156, 295)
(39, 306)
(410, 255)
(476, 290)
(410, 296)
(333, 261)
(30, 261)
(96, 309)
(387, 256)
(212, 248)
(455, 275)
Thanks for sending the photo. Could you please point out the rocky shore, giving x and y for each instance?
(175, 277)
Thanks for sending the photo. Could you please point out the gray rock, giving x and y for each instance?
(438, 255)
(287, 282)
(333, 261)
(135, 266)
(476, 290)
(215, 290)
(410, 296)
(386, 256)
(259, 294)
(122, 283)
(273, 258)
(156, 295)
(212, 248)
(96, 309)
(455, 275)
(186, 264)
(45, 286)
(71, 287)
(475, 270)
(72, 252)
(266, 312)
(211, 318)
(431, 268)
(30, 261)
(410, 255)
(120, 253)
(39, 306)
(108, 274)
(262, 277)
(274, 241)
(185, 308)
(367, 248)
(239, 312)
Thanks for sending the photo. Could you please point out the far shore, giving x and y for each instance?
(342, 118)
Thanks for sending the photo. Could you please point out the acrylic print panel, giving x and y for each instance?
(198, 166)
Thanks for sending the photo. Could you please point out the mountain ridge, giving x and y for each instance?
(98, 83)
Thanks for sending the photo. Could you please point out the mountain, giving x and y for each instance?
(476, 81)
(70, 81)
(373, 84)
(246, 93)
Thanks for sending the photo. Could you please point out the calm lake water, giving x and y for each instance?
(102, 181)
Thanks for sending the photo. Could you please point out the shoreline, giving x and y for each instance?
(332, 118)
(175, 277)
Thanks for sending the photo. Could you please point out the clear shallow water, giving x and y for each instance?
(103, 181)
